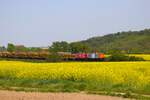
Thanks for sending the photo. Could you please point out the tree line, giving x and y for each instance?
(13, 48)
(58, 46)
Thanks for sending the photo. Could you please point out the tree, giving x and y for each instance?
(2, 48)
(78, 47)
(62, 46)
(34, 49)
(11, 47)
(56, 47)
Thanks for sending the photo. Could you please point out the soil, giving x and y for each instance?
(13, 95)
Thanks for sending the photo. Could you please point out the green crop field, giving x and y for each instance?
(77, 76)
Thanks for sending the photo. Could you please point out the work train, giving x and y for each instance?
(84, 56)
(64, 55)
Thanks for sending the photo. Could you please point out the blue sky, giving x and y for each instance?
(40, 22)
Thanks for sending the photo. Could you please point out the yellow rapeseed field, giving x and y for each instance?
(130, 75)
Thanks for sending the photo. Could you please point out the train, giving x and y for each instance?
(66, 56)
(83, 56)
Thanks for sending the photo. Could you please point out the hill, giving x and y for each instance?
(129, 42)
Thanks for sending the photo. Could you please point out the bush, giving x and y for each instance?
(123, 57)
(118, 57)
(133, 58)
(54, 57)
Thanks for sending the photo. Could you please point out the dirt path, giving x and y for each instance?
(12, 95)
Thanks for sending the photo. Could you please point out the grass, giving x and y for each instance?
(122, 77)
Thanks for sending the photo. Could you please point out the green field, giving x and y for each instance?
(121, 77)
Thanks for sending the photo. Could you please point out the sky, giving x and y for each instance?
(41, 22)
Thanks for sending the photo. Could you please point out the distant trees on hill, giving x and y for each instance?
(128, 42)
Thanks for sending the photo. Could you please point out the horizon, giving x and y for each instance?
(35, 23)
(75, 41)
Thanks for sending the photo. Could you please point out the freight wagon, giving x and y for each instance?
(66, 56)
